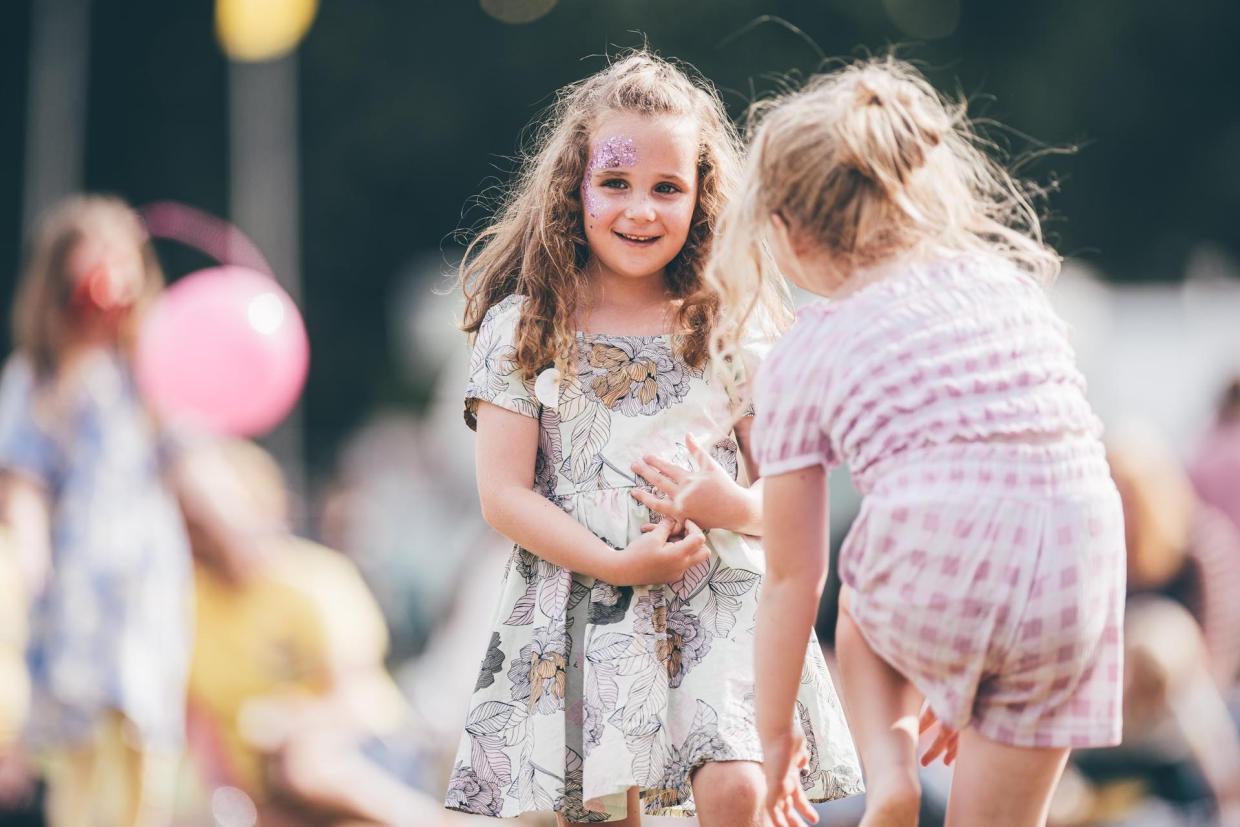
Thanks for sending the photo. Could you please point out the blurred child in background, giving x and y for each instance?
(94, 524)
(289, 699)
(1215, 468)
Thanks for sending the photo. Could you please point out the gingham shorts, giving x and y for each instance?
(992, 576)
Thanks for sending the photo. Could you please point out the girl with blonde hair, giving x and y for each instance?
(985, 571)
(619, 674)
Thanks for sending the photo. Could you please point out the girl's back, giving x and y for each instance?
(957, 350)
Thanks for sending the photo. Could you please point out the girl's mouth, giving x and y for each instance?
(639, 240)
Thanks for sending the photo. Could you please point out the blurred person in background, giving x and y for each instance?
(19, 801)
(289, 700)
(1215, 468)
(1182, 649)
(90, 501)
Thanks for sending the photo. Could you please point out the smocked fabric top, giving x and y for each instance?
(966, 349)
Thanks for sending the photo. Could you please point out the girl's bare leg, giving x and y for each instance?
(633, 819)
(881, 707)
(729, 794)
(999, 784)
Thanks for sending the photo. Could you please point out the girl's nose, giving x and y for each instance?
(643, 210)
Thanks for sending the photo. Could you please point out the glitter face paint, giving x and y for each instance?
(612, 152)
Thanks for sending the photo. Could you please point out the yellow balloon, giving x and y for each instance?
(517, 11)
(257, 30)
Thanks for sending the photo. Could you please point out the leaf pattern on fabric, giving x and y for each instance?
(586, 687)
(590, 431)
(573, 399)
(554, 593)
(523, 612)
(492, 662)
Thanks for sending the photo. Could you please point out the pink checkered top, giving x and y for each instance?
(965, 349)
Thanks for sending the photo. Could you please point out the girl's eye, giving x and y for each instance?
(615, 183)
(666, 188)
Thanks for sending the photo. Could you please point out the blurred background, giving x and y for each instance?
(353, 141)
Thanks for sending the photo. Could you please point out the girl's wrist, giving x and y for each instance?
(606, 564)
(747, 506)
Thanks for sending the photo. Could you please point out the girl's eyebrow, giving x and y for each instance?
(621, 172)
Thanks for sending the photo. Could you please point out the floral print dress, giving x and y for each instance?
(586, 688)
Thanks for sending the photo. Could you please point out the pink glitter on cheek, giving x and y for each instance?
(613, 152)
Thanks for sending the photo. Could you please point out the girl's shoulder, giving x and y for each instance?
(509, 307)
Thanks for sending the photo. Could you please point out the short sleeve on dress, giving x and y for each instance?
(26, 446)
(789, 430)
(493, 372)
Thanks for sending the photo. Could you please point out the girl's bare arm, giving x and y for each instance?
(506, 449)
(795, 512)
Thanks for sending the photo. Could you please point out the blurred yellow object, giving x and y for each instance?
(287, 634)
(14, 680)
(109, 780)
(258, 30)
(517, 11)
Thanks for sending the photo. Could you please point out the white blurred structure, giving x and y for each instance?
(1159, 354)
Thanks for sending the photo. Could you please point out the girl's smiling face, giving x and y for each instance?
(639, 191)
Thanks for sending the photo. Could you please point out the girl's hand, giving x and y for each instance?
(708, 496)
(946, 740)
(782, 761)
(651, 559)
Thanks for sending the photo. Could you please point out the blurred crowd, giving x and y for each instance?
(171, 652)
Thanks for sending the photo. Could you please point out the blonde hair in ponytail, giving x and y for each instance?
(868, 162)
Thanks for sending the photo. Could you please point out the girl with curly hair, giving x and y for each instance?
(619, 676)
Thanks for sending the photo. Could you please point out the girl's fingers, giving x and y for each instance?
(801, 802)
(673, 472)
(665, 507)
(776, 812)
(690, 542)
(662, 529)
(653, 476)
(703, 458)
(928, 719)
(942, 741)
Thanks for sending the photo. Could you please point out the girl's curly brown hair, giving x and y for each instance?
(535, 245)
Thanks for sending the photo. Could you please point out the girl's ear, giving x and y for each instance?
(781, 237)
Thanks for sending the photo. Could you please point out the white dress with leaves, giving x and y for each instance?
(587, 688)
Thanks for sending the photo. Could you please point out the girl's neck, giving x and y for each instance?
(625, 304)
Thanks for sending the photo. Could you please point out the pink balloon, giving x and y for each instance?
(223, 348)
